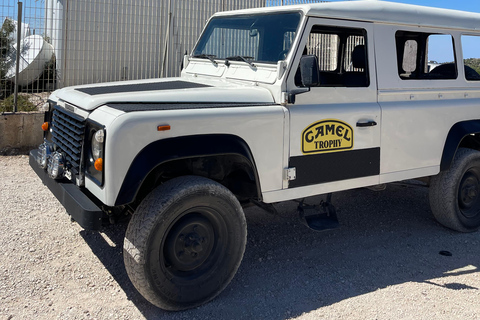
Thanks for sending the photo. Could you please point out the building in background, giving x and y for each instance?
(111, 40)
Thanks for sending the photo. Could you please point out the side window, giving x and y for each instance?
(423, 56)
(409, 63)
(471, 57)
(342, 56)
(325, 47)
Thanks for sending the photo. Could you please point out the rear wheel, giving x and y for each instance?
(455, 193)
(185, 242)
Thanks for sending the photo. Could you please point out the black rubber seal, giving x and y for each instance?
(132, 107)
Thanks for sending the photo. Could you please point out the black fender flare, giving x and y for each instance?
(455, 136)
(162, 151)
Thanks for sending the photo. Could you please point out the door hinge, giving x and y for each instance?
(291, 174)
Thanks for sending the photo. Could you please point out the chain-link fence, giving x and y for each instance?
(72, 42)
(36, 65)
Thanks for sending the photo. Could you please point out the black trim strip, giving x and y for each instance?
(153, 86)
(171, 149)
(456, 134)
(335, 166)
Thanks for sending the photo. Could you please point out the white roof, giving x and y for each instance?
(382, 11)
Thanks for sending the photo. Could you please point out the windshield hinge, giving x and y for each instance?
(289, 97)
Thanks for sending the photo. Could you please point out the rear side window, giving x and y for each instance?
(423, 56)
(471, 57)
(352, 43)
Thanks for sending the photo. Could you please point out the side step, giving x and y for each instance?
(320, 217)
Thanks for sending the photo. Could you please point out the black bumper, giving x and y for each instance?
(78, 204)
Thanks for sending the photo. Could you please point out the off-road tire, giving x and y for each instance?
(455, 194)
(185, 242)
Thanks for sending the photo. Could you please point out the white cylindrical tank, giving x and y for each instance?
(54, 31)
(35, 52)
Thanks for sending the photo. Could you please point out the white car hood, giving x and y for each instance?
(167, 90)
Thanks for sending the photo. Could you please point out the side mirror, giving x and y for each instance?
(309, 71)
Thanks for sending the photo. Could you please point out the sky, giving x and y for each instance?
(34, 8)
(7, 6)
(33, 12)
(438, 52)
(464, 5)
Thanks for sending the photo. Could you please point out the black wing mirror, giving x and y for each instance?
(309, 71)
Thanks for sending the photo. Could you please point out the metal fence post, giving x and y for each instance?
(17, 67)
(167, 40)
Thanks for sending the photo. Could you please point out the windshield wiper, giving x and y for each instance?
(207, 56)
(241, 58)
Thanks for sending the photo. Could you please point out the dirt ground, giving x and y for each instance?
(382, 263)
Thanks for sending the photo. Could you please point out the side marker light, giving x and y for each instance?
(163, 128)
(45, 126)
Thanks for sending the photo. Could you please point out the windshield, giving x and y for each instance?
(263, 38)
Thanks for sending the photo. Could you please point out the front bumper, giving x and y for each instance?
(78, 205)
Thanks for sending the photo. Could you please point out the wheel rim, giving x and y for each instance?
(190, 248)
(469, 194)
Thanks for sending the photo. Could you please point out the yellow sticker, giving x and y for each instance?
(327, 136)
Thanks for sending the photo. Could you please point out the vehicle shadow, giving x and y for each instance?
(386, 238)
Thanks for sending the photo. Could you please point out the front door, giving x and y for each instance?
(335, 126)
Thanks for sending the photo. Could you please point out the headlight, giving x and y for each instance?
(97, 144)
(95, 149)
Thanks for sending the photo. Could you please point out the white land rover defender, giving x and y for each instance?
(273, 104)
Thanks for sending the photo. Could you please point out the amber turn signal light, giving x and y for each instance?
(99, 164)
(45, 126)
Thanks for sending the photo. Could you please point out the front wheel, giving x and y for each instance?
(455, 194)
(185, 242)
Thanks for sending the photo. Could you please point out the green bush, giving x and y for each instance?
(23, 104)
(6, 44)
(473, 63)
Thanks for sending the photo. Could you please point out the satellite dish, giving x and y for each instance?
(35, 52)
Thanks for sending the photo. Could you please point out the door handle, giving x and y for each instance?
(366, 124)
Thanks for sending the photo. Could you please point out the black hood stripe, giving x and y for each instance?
(155, 86)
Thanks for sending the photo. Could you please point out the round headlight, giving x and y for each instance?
(97, 144)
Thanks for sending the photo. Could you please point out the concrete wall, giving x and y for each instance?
(20, 132)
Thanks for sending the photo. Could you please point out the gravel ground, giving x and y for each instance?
(382, 263)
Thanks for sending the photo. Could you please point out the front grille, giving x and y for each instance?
(67, 133)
